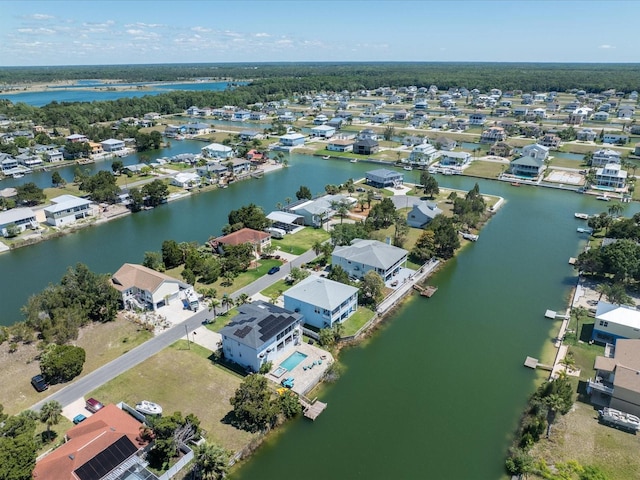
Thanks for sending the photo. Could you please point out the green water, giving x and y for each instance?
(437, 392)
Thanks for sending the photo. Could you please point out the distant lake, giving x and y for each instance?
(75, 93)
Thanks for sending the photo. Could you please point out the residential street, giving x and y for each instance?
(81, 387)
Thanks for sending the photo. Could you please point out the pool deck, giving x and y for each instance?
(305, 380)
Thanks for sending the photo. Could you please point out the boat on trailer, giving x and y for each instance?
(614, 417)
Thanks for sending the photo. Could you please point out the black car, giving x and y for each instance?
(39, 383)
(273, 270)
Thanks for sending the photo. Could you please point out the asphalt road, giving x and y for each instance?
(83, 386)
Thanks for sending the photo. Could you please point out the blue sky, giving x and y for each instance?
(90, 32)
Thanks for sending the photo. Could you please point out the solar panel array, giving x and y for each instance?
(107, 460)
(243, 332)
(272, 324)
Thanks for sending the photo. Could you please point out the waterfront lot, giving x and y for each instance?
(183, 378)
(301, 241)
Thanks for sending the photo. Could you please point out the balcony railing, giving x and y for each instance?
(600, 387)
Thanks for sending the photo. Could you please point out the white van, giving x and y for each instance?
(275, 232)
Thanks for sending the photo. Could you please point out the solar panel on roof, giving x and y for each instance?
(242, 332)
(107, 460)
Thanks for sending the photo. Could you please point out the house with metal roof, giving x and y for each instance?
(316, 212)
(142, 287)
(261, 332)
(382, 178)
(527, 166)
(615, 321)
(112, 145)
(217, 151)
(22, 218)
(617, 381)
(422, 213)
(66, 209)
(322, 302)
(363, 256)
(289, 222)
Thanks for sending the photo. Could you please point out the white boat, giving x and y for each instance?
(18, 175)
(470, 236)
(584, 230)
(149, 408)
(354, 160)
(604, 198)
(581, 216)
(326, 157)
(619, 419)
(408, 168)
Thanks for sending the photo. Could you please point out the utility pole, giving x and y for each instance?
(186, 331)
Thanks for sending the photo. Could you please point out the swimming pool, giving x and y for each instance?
(293, 360)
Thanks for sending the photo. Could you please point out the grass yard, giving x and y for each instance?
(276, 289)
(355, 322)
(568, 163)
(184, 380)
(300, 242)
(67, 189)
(222, 319)
(479, 168)
(102, 343)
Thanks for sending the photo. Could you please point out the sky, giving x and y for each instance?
(96, 32)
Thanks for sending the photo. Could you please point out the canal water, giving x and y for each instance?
(437, 391)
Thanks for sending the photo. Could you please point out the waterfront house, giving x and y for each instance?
(107, 444)
(316, 212)
(257, 116)
(422, 213)
(197, 128)
(381, 118)
(401, 115)
(323, 131)
(144, 288)
(617, 138)
(320, 119)
(340, 145)
(604, 156)
(292, 140)
(501, 149)
(29, 160)
(527, 166)
(617, 381)
(112, 145)
(186, 180)
(53, 156)
(626, 111)
(257, 239)
(550, 141)
(367, 134)
(20, 218)
(193, 111)
(248, 135)
(493, 134)
(260, 333)
(383, 178)
(366, 147)
(211, 169)
(424, 154)
(287, 221)
(172, 131)
(444, 143)
(613, 322)
(602, 116)
(322, 302)
(7, 162)
(336, 122)
(255, 156)
(363, 256)
(217, 151)
(67, 209)
(586, 135)
(76, 138)
(440, 123)
(455, 159)
(536, 151)
(611, 176)
(477, 118)
(238, 166)
(241, 116)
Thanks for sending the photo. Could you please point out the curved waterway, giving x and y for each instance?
(436, 393)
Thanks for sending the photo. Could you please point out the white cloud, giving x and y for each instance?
(606, 47)
(201, 29)
(262, 34)
(39, 16)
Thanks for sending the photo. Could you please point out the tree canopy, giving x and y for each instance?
(61, 363)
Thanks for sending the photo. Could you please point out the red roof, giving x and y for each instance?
(86, 440)
(244, 235)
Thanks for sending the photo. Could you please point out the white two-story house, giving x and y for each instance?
(363, 256)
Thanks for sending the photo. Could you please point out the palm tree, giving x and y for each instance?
(243, 298)
(212, 461)
(50, 414)
(287, 200)
(317, 247)
(227, 302)
(555, 403)
(579, 313)
(603, 289)
(615, 209)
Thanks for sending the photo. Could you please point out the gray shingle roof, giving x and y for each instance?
(321, 292)
(371, 252)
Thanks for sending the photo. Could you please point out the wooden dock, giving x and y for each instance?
(427, 291)
(312, 408)
(534, 363)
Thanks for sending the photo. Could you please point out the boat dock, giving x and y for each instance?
(535, 363)
(552, 314)
(312, 408)
(427, 291)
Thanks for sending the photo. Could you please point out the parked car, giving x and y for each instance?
(93, 405)
(79, 418)
(273, 270)
(39, 383)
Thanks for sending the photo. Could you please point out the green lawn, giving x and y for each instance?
(242, 280)
(479, 168)
(200, 387)
(279, 286)
(222, 318)
(300, 242)
(567, 162)
(356, 321)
